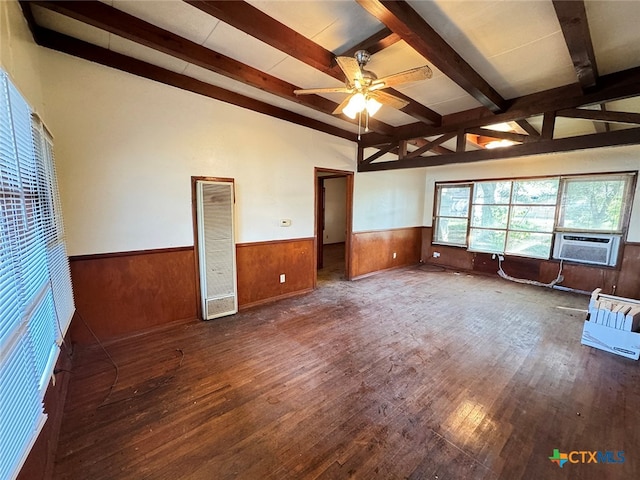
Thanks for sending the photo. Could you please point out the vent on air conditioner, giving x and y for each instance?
(593, 248)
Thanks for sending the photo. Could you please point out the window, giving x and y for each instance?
(453, 214)
(490, 215)
(514, 217)
(36, 301)
(520, 216)
(594, 204)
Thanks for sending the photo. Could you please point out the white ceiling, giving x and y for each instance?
(517, 46)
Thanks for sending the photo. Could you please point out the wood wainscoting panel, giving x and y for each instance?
(425, 250)
(123, 293)
(373, 251)
(453, 257)
(260, 265)
(623, 280)
(629, 279)
(579, 277)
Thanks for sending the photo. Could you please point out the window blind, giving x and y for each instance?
(36, 298)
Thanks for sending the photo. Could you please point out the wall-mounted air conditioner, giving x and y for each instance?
(592, 248)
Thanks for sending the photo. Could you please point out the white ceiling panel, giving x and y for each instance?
(454, 105)
(329, 23)
(173, 15)
(436, 90)
(302, 75)
(548, 65)
(394, 117)
(615, 27)
(233, 43)
(397, 58)
(146, 54)
(487, 28)
(71, 27)
(352, 26)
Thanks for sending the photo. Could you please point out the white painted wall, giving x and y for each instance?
(126, 148)
(335, 210)
(392, 199)
(601, 160)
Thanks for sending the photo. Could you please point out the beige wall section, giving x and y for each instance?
(19, 55)
(599, 160)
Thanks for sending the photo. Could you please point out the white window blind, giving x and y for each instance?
(36, 299)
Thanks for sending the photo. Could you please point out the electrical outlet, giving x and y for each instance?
(282, 278)
(436, 254)
(285, 222)
(394, 255)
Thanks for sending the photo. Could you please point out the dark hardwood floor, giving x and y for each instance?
(419, 373)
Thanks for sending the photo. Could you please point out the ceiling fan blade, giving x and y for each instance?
(351, 69)
(389, 100)
(309, 91)
(413, 75)
(340, 107)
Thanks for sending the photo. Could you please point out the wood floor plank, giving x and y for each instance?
(414, 373)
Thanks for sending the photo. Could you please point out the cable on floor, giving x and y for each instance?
(551, 284)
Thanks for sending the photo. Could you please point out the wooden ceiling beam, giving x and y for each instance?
(430, 145)
(78, 48)
(602, 127)
(374, 44)
(575, 28)
(614, 86)
(127, 26)
(252, 21)
(527, 127)
(383, 151)
(400, 18)
(601, 115)
(609, 139)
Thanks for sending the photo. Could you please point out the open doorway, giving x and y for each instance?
(334, 211)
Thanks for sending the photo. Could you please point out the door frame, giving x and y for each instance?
(319, 174)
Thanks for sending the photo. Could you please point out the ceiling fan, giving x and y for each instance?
(364, 87)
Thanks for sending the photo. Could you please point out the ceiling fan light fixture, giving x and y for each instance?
(356, 104)
(373, 106)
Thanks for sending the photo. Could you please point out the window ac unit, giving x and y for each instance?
(593, 248)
